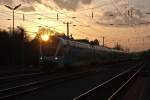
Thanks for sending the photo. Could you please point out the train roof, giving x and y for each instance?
(78, 43)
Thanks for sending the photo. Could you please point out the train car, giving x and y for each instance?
(62, 52)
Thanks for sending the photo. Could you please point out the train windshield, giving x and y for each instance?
(49, 48)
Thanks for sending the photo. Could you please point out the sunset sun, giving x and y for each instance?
(45, 37)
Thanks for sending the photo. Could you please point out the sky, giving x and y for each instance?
(124, 21)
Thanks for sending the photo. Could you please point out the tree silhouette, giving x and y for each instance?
(118, 47)
(16, 49)
(95, 42)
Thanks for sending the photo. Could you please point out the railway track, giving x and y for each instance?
(114, 88)
(37, 81)
(7, 93)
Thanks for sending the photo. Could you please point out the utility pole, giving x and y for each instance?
(131, 12)
(13, 10)
(143, 40)
(13, 22)
(23, 17)
(117, 43)
(40, 39)
(68, 23)
(92, 13)
(103, 41)
(57, 17)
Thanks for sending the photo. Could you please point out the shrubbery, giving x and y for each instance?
(17, 50)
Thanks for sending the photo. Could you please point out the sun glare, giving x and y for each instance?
(45, 37)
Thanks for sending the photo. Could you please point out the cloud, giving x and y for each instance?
(28, 9)
(39, 1)
(30, 5)
(31, 1)
(8, 2)
(70, 4)
(139, 13)
(148, 36)
(27, 5)
(109, 15)
(110, 18)
(122, 23)
(86, 1)
(114, 18)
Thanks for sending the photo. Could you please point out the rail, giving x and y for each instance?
(111, 88)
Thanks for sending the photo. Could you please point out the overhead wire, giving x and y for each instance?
(130, 7)
(79, 11)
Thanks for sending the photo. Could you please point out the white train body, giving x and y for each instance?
(71, 52)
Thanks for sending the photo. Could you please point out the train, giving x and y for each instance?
(61, 51)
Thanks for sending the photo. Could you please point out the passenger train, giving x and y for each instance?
(62, 51)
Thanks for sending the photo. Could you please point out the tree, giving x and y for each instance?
(94, 42)
(118, 47)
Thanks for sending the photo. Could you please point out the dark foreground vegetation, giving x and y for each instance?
(145, 56)
(17, 50)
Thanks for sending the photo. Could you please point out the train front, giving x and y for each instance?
(50, 52)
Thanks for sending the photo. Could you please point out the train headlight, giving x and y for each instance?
(41, 58)
(56, 58)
